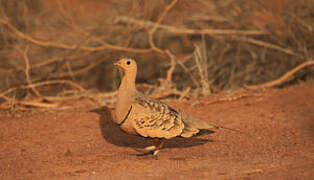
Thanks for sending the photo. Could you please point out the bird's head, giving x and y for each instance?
(127, 65)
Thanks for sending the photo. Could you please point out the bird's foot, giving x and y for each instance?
(154, 149)
(150, 150)
(147, 150)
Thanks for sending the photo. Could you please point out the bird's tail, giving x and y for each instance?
(192, 126)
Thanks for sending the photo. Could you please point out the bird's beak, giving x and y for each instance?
(117, 64)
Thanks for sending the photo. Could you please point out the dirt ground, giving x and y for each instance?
(83, 143)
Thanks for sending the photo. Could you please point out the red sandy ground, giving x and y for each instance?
(83, 143)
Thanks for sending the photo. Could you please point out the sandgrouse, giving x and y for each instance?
(139, 115)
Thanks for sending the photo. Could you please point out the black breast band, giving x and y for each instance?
(126, 117)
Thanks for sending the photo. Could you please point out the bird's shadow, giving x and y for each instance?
(112, 133)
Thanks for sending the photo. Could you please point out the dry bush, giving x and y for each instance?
(207, 45)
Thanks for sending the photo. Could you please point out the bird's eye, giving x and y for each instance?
(128, 62)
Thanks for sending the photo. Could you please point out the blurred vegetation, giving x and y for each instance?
(211, 45)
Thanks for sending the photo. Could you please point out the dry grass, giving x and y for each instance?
(199, 47)
(201, 60)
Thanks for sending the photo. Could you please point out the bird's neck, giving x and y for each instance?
(128, 82)
(126, 95)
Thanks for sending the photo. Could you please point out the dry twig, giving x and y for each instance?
(228, 99)
(156, 25)
(172, 65)
(269, 46)
(155, 48)
(164, 94)
(196, 83)
(28, 77)
(58, 59)
(70, 47)
(70, 83)
(38, 104)
(180, 30)
(283, 78)
(77, 72)
(184, 93)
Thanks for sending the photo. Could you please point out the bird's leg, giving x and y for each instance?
(158, 143)
(154, 149)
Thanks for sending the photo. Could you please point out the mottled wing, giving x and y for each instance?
(155, 119)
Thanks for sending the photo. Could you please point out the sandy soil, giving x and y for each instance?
(83, 143)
